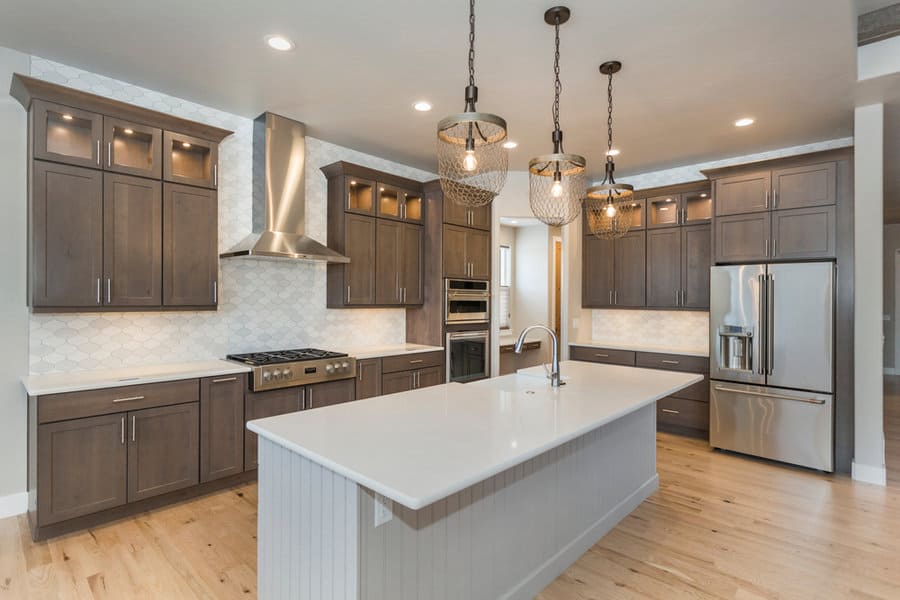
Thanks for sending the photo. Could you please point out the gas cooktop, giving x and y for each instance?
(275, 357)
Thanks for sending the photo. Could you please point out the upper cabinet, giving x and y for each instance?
(104, 232)
(784, 209)
(376, 220)
(691, 207)
(190, 160)
(456, 214)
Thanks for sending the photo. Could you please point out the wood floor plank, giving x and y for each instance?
(720, 526)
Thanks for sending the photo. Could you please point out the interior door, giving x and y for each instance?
(801, 326)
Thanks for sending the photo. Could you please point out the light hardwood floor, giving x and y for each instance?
(721, 526)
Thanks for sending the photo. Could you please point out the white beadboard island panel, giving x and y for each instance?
(497, 486)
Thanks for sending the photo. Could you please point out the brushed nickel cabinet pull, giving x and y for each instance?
(108, 154)
(767, 198)
(98, 291)
(133, 427)
(602, 355)
(774, 198)
(774, 251)
(348, 294)
(610, 296)
(676, 297)
(670, 411)
(417, 361)
(224, 379)
(129, 399)
(215, 292)
(670, 362)
(98, 153)
(216, 174)
(108, 289)
(123, 430)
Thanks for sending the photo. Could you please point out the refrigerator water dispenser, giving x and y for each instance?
(735, 348)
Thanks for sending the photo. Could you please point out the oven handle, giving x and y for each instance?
(468, 335)
(469, 295)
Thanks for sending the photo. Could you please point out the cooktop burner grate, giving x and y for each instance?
(282, 356)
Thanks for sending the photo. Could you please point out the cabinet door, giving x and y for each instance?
(696, 251)
(359, 195)
(132, 240)
(696, 207)
(809, 185)
(132, 149)
(66, 235)
(478, 253)
(368, 378)
(455, 214)
(664, 267)
(392, 383)
(330, 393)
(804, 233)
(741, 194)
(455, 262)
(259, 405)
(480, 217)
(429, 377)
(413, 206)
(221, 426)
(190, 246)
(743, 238)
(664, 211)
(387, 262)
(598, 273)
(164, 450)
(412, 255)
(190, 160)
(64, 134)
(389, 202)
(81, 467)
(359, 273)
(630, 271)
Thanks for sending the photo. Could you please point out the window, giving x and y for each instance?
(505, 285)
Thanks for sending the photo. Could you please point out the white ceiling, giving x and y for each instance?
(691, 68)
(520, 222)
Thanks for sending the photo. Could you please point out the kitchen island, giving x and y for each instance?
(484, 490)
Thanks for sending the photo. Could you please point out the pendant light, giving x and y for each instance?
(609, 204)
(556, 181)
(472, 162)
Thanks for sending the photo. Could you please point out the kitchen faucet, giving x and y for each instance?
(554, 365)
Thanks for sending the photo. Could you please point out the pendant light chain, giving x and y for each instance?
(471, 42)
(609, 120)
(558, 85)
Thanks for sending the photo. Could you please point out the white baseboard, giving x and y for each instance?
(13, 504)
(869, 474)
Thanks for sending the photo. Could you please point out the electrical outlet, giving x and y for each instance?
(576, 323)
(384, 510)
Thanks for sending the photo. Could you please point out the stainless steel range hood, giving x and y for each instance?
(279, 196)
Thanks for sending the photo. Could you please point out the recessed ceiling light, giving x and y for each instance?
(67, 117)
(745, 122)
(279, 42)
(422, 106)
(613, 152)
(510, 145)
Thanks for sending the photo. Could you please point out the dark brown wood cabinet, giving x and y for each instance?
(664, 259)
(467, 253)
(81, 467)
(803, 233)
(598, 272)
(696, 259)
(259, 405)
(163, 450)
(475, 217)
(131, 148)
(66, 230)
(355, 283)
(65, 134)
(406, 372)
(399, 263)
(190, 160)
(368, 378)
(630, 270)
(743, 237)
(330, 393)
(190, 246)
(393, 383)
(429, 377)
(805, 185)
(412, 264)
(610, 356)
(132, 241)
(744, 193)
(221, 426)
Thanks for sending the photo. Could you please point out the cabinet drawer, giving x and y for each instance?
(405, 362)
(673, 362)
(698, 392)
(602, 355)
(683, 413)
(74, 405)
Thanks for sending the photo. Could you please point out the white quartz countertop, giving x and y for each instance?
(363, 352)
(40, 385)
(420, 446)
(683, 350)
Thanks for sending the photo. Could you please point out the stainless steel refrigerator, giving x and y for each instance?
(772, 361)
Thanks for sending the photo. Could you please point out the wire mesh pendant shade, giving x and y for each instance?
(610, 217)
(472, 162)
(556, 185)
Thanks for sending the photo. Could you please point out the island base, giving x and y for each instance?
(508, 536)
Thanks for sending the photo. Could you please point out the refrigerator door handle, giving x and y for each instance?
(770, 324)
(762, 327)
(720, 388)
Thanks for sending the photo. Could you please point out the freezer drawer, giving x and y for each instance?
(785, 425)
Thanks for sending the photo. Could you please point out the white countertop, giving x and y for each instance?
(683, 350)
(420, 446)
(363, 352)
(39, 385)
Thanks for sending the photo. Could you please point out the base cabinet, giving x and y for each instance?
(404, 381)
(221, 426)
(368, 378)
(330, 393)
(163, 451)
(259, 405)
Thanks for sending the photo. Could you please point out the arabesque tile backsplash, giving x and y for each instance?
(682, 329)
(263, 304)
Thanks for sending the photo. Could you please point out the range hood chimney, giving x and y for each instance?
(279, 196)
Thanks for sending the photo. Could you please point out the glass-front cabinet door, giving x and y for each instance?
(359, 195)
(663, 211)
(190, 160)
(132, 149)
(412, 206)
(696, 207)
(389, 202)
(67, 135)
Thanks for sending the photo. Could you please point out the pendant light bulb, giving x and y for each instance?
(470, 163)
(556, 190)
(611, 210)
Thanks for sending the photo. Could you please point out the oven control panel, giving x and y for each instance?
(294, 374)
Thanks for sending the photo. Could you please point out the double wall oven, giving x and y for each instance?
(467, 320)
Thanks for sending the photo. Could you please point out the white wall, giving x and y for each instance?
(532, 281)
(13, 315)
(868, 462)
(508, 238)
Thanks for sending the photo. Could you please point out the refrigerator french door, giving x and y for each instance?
(772, 361)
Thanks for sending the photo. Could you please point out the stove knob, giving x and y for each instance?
(329, 368)
(345, 365)
(286, 373)
(276, 374)
(266, 375)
